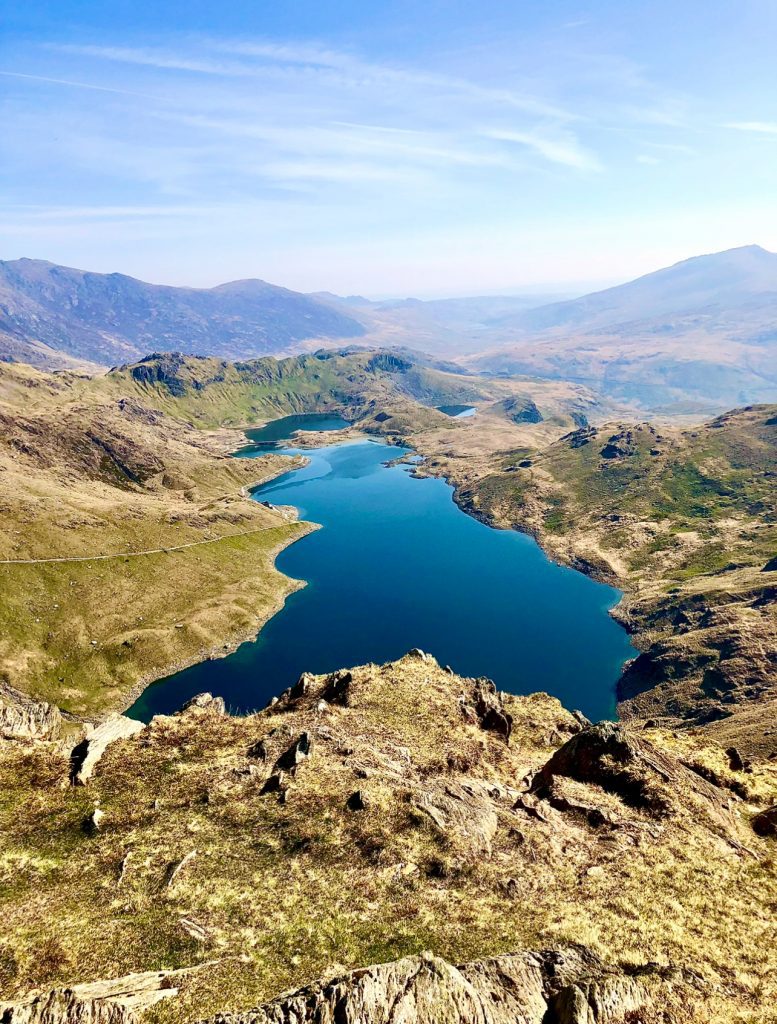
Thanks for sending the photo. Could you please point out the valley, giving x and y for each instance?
(370, 813)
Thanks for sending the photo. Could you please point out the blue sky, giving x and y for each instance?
(387, 148)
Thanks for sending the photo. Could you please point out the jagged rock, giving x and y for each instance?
(95, 820)
(118, 1001)
(299, 690)
(765, 823)
(274, 784)
(490, 711)
(735, 761)
(177, 866)
(337, 688)
(561, 986)
(627, 765)
(204, 701)
(299, 751)
(356, 801)
(416, 652)
(86, 754)
(258, 751)
(581, 719)
(462, 809)
(21, 717)
(123, 865)
(532, 806)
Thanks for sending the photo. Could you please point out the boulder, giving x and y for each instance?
(560, 986)
(765, 823)
(356, 801)
(118, 1001)
(299, 751)
(86, 754)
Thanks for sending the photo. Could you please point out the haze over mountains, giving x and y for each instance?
(699, 336)
(52, 315)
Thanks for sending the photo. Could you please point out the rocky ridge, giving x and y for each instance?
(376, 813)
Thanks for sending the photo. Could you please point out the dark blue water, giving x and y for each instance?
(277, 433)
(397, 565)
(457, 411)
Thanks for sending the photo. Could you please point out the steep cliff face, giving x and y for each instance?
(376, 813)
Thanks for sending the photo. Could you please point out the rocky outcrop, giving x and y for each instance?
(490, 709)
(203, 702)
(522, 410)
(558, 986)
(86, 755)
(117, 1001)
(21, 717)
(711, 656)
(765, 823)
(631, 768)
(463, 810)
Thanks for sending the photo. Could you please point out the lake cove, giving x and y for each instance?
(398, 565)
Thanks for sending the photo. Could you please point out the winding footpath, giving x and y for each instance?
(135, 554)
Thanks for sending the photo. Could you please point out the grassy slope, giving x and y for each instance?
(279, 893)
(684, 522)
(211, 393)
(82, 476)
(120, 463)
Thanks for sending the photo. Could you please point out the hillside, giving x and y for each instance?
(379, 813)
(695, 337)
(686, 523)
(121, 464)
(184, 561)
(724, 280)
(52, 316)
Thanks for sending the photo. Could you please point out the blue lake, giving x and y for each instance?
(397, 565)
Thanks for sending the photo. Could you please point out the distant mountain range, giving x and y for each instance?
(57, 316)
(698, 336)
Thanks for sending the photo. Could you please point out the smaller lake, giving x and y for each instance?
(458, 412)
(277, 433)
(398, 565)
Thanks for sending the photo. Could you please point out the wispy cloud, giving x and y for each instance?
(559, 149)
(271, 57)
(72, 85)
(759, 127)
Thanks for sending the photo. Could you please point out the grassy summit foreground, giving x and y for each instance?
(381, 812)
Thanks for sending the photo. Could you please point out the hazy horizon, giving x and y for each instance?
(388, 150)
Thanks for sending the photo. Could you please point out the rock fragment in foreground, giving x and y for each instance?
(117, 1001)
(559, 986)
(87, 754)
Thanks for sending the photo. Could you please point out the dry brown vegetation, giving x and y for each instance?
(450, 850)
(84, 476)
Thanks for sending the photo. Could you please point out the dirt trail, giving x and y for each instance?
(136, 554)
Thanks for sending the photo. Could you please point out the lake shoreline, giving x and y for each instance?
(475, 638)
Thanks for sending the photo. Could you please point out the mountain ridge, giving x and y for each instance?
(112, 318)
